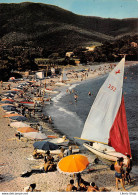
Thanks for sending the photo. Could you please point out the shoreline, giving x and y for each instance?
(16, 158)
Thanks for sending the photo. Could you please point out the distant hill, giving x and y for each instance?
(48, 26)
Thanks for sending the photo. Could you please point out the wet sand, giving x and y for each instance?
(16, 159)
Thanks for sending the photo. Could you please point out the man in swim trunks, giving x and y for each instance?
(128, 168)
(119, 173)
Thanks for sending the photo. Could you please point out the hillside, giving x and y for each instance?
(47, 26)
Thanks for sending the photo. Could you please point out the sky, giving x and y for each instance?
(102, 8)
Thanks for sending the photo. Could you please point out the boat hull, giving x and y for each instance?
(111, 156)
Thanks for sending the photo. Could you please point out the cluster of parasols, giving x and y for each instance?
(71, 164)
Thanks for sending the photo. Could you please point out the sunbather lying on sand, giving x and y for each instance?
(37, 155)
(49, 166)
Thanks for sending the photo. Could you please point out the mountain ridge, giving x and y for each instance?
(51, 26)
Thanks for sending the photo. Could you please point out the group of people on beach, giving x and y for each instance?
(50, 163)
(120, 174)
(83, 186)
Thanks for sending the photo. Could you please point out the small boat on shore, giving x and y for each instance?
(105, 128)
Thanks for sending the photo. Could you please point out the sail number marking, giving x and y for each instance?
(112, 87)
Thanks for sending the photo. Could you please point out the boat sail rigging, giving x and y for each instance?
(106, 122)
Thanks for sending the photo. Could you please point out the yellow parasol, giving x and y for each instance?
(73, 164)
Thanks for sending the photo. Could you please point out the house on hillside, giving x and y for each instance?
(91, 48)
(69, 54)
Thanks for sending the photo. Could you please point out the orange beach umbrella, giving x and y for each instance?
(19, 90)
(26, 129)
(8, 100)
(6, 104)
(10, 115)
(73, 164)
(15, 89)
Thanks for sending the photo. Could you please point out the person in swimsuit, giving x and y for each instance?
(119, 173)
(71, 187)
(93, 188)
(128, 168)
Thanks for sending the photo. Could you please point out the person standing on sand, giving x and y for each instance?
(50, 120)
(119, 173)
(128, 168)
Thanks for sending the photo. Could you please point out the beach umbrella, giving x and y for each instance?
(10, 115)
(16, 91)
(7, 105)
(35, 135)
(19, 87)
(9, 95)
(18, 118)
(6, 102)
(19, 124)
(31, 81)
(73, 164)
(10, 108)
(11, 112)
(26, 129)
(12, 92)
(45, 145)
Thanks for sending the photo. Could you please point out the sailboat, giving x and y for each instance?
(106, 125)
(63, 79)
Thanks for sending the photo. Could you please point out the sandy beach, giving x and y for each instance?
(16, 155)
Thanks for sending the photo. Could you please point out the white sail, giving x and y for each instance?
(63, 77)
(105, 107)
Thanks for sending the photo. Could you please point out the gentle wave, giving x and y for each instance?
(67, 112)
(59, 96)
(63, 93)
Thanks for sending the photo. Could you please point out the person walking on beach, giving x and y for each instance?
(76, 97)
(50, 120)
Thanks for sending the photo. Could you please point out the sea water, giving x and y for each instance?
(69, 116)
